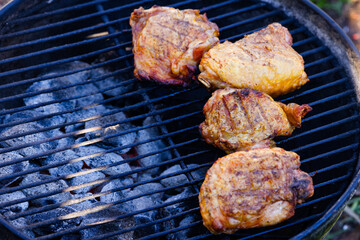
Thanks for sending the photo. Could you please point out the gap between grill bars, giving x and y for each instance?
(330, 132)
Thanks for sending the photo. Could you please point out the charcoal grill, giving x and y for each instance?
(40, 36)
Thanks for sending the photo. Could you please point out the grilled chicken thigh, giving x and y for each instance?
(168, 43)
(263, 61)
(255, 188)
(241, 119)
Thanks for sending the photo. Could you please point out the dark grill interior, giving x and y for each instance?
(93, 40)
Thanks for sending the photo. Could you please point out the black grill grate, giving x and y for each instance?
(98, 32)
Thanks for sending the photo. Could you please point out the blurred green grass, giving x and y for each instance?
(347, 227)
(331, 5)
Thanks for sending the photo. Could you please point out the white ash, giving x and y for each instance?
(13, 168)
(182, 178)
(145, 230)
(56, 82)
(57, 226)
(74, 236)
(88, 89)
(56, 185)
(91, 117)
(138, 203)
(82, 116)
(113, 196)
(86, 204)
(71, 66)
(45, 97)
(103, 160)
(25, 115)
(23, 128)
(117, 141)
(65, 142)
(20, 223)
(150, 187)
(110, 186)
(46, 122)
(110, 82)
(117, 225)
(18, 207)
(178, 206)
(150, 147)
(64, 169)
(86, 178)
(144, 177)
(184, 234)
(40, 124)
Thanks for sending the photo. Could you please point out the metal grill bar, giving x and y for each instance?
(299, 206)
(320, 199)
(313, 51)
(82, 30)
(335, 166)
(108, 136)
(306, 219)
(338, 137)
(85, 227)
(70, 202)
(120, 58)
(352, 147)
(316, 89)
(241, 10)
(237, 36)
(62, 61)
(171, 231)
(347, 93)
(343, 178)
(154, 100)
(319, 185)
(70, 21)
(318, 129)
(307, 40)
(86, 211)
(322, 66)
(324, 73)
(104, 236)
(63, 47)
(59, 36)
(118, 122)
(31, 107)
(110, 113)
(54, 12)
(250, 20)
(37, 79)
(322, 60)
(108, 205)
(150, 224)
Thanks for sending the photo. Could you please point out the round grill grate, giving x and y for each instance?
(50, 186)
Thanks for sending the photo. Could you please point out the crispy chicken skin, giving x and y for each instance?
(254, 188)
(241, 119)
(263, 61)
(168, 43)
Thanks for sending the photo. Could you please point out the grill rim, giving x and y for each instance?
(323, 225)
(329, 218)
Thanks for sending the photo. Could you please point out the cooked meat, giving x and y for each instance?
(255, 188)
(241, 119)
(263, 61)
(168, 43)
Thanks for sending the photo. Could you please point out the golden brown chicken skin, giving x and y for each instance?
(241, 119)
(168, 43)
(255, 188)
(263, 61)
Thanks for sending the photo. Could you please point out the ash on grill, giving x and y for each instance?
(99, 168)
